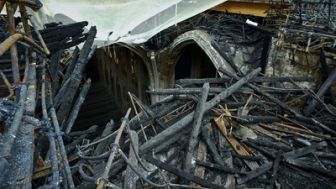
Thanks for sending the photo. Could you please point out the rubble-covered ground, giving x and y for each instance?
(244, 129)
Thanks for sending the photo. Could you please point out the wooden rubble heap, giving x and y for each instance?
(229, 132)
(38, 70)
(243, 130)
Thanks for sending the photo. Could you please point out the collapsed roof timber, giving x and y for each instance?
(241, 95)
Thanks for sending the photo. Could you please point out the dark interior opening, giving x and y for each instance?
(194, 63)
(114, 72)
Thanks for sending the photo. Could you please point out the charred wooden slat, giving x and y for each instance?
(131, 178)
(211, 146)
(180, 173)
(257, 79)
(75, 110)
(197, 120)
(185, 91)
(220, 168)
(77, 75)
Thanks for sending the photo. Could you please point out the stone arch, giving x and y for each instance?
(204, 41)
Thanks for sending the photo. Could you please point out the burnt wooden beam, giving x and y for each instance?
(8, 138)
(255, 173)
(257, 79)
(323, 89)
(182, 174)
(61, 146)
(130, 177)
(218, 167)
(211, 145)
(197, 120)
(185, 91)
(76, 76)
(76, 108)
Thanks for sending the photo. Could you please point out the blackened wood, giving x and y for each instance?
(78, 104)
(131, 178)
(256, 119)
(185, 91)
(61, 146)
(9, 136)
(257, 79)
(181, 124)
(303, 151)
(253, 174)
(22, 162)
(31, 93)
(52, 144)
(101, 184)
(102, 145)
(197, 120)
(274, 175)
(211, 145)
(181, 173)
(220, 168)
(54, 68)
(71, 65)
(76, 76)
(325, 86)
(311, 167)
(90, 130)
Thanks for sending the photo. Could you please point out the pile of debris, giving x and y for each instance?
(38, 70)
(243, 130)
(230, 133)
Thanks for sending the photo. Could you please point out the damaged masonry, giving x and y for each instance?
(195, 94)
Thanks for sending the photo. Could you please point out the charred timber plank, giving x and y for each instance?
(181, 173)
(202, 156)
(22, 162)
(274, 175)
(325, 86)
(303, 151)
(52, 144)
(211, 146)
(181, 124)
(78, 104)
(131, 178)
(71, 66)
(59, 29)
(183, 91)
(7, 140)
(309, 166)
(102, 145)
(257, 79)
(197, 120)
(220, 168)
(102, 182)
(253, 174)
(54, 68)
(76, 76)
(59, 138)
